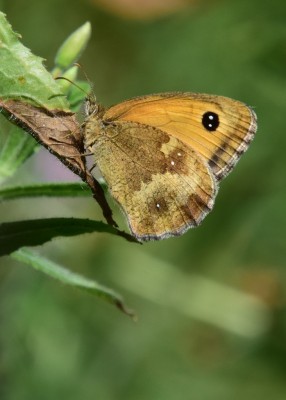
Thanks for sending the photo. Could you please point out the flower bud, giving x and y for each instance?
(73, 46)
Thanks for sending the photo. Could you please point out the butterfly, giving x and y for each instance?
(163, 156)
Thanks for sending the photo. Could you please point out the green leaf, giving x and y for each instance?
(22, 74)
(14, 235)
(46, 189)
(71, 278)
(17, 148)
(24, 78)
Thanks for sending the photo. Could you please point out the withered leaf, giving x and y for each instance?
(60, 133)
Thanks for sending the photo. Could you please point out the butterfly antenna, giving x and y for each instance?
(91, 96)
(91, 106)
(73, 83)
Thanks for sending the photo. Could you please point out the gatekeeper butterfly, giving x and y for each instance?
(163, 156)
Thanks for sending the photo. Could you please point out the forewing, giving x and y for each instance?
(180, 115)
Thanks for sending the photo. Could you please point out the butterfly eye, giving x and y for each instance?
(210, 121)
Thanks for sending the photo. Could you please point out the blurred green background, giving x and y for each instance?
(211, 304)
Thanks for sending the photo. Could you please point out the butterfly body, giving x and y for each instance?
(163, 155)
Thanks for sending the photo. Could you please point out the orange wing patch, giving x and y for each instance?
(182, 115)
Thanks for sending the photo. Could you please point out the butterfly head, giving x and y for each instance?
(91, 107)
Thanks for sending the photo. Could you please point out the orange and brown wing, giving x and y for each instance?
(218, 128)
